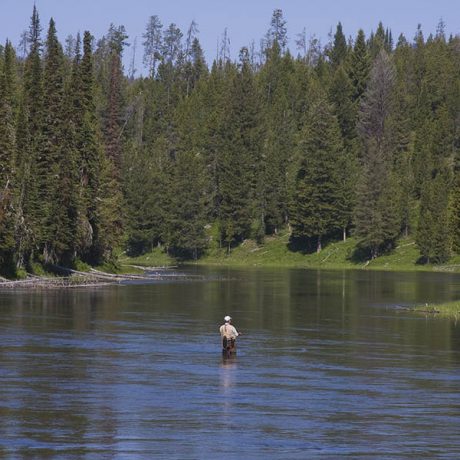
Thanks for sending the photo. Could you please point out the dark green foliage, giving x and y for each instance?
(341, 94)
(377, 215)
(240, 150)
(339, 50)
(186, 235)
(152, 43)
(377, 218)
(433, 237)
(455, 214)
(359, 67)
(7, 164)
(278, 91)
(145, 218)
(358, 137)
(314, 212)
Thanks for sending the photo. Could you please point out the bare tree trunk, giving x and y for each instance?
(318, 247)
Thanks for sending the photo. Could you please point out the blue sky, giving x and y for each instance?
(246, 20)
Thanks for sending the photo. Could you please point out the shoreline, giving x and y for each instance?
(77, 279)
(449, 310)
(274, 253)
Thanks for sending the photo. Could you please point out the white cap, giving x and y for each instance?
(227, 319)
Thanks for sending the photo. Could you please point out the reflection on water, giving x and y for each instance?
(228, 380)
(328, 366)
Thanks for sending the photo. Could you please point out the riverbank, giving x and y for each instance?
(449, 309)
(275, 253)
(74, 279)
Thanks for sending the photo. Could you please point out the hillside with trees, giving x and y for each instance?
(358, 137)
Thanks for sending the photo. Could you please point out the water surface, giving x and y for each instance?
(328, 366)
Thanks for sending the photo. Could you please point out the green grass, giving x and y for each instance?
(156, 258)
(275, 253)
(448, 309)
(335, 255)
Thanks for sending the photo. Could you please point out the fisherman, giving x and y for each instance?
(229, 335)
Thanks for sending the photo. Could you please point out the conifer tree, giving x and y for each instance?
(377, 215)
(90, 155)
(186, 235)
(7, 163)
(82, 147)
(30, 143)
(215, 94)
(359, 67)
(315, 207)
(379, 41)
(145, 218)
(341, 95)
(51, 158)
(241, 149)
(339, 50)
(278, 31)
(454, 215)
(195, 67)
(433, 236)
(99, 173)
(152, 44)
(113, 124)
(27, 193)
(275, 82)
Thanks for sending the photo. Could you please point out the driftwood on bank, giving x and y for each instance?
(43, 282)
(73, 278)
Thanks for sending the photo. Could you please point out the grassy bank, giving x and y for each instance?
(275, 253)
(449, 309)
(155, 258)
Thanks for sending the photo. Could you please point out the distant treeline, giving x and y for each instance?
(361, 137)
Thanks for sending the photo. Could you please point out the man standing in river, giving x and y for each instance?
(229, 334)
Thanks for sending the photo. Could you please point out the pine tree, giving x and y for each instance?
(455, 214)
(114, 106)
(378, 41)
(278, 31)
(359, 68)
(275, 83)
(88, 138)
(51, 157)
(240, 149)
(30, 145)
(108, 232)
(101, 224)
(214, 97)
(145, 217)
(377, 218)
(107, 216)
(341, 95)
(315, 209)
(7, 162)
(187, 197)
(152, 44)
(27, 191)
(433, 236)
(339, 51)
(195, 67)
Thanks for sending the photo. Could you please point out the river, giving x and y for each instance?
(329, 365)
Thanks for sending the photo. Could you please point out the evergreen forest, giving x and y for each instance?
(359, 136)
